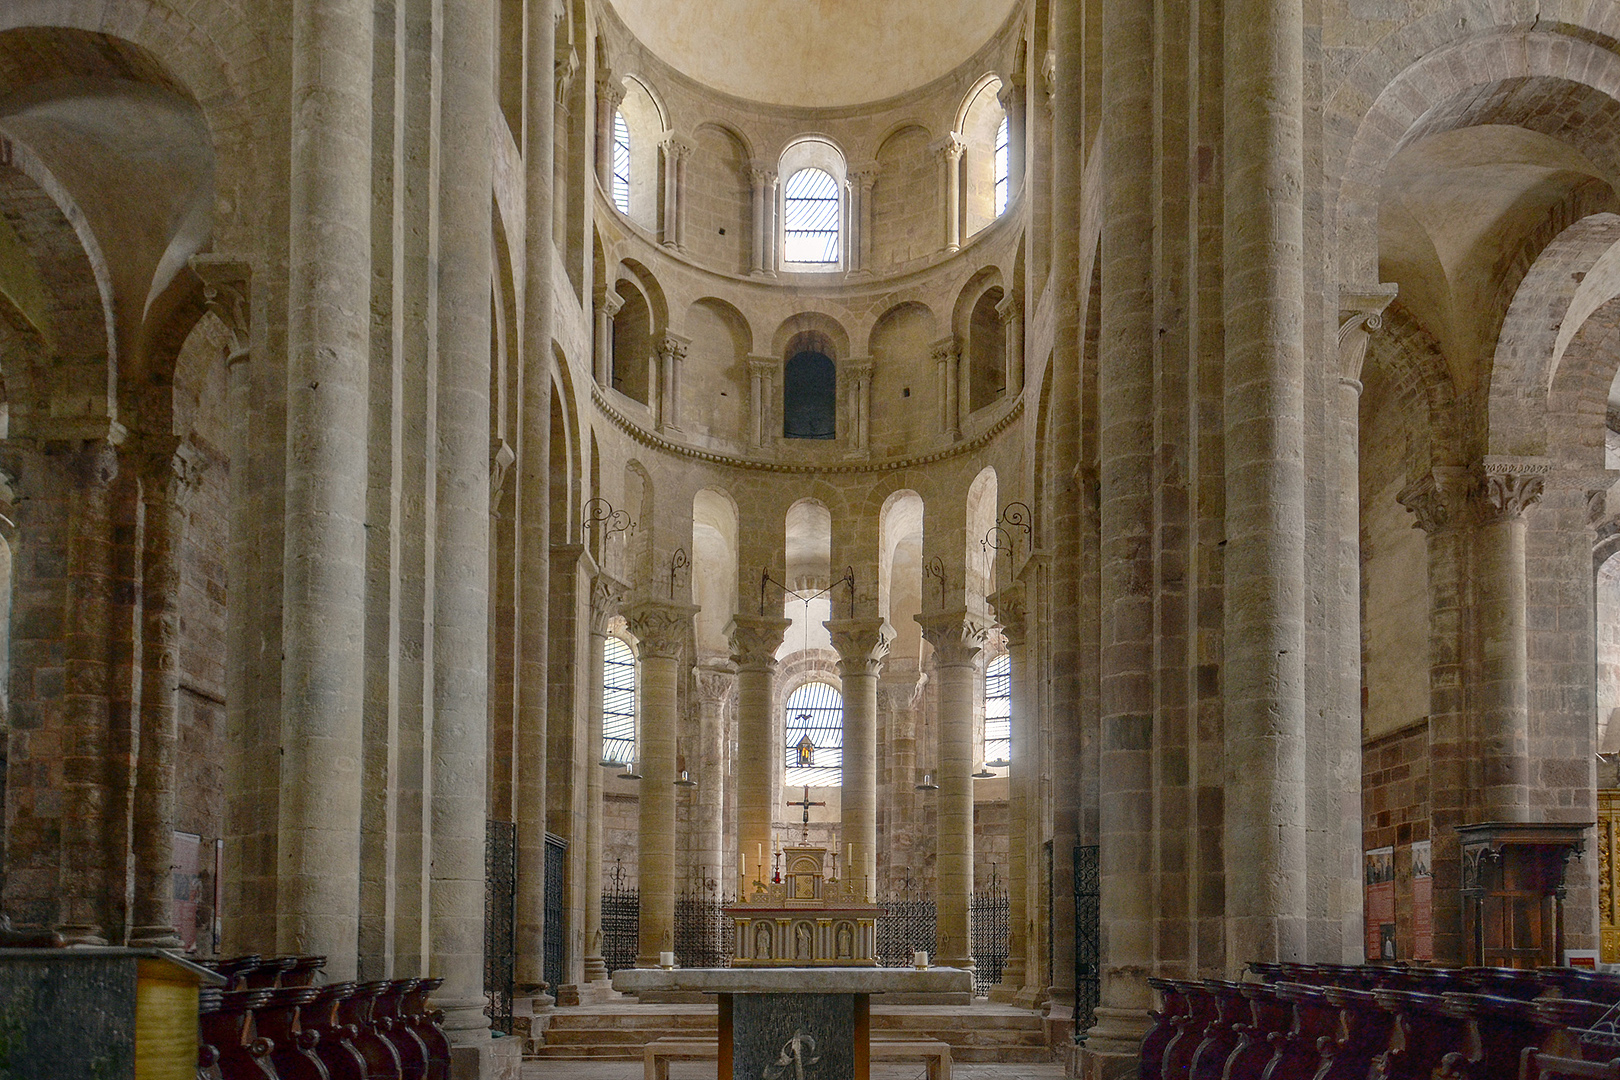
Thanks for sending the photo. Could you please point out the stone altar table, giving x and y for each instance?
(783, 1023)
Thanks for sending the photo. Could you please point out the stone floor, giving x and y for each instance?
(699, 1070)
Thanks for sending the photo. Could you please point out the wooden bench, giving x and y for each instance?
(660, 1052)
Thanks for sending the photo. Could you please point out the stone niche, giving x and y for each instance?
(806, 919)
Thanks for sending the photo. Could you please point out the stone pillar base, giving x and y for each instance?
(1113, 1048)
(1031, 997)
(492, 1059)
(587, 993)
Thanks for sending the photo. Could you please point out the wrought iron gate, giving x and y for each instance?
(500, 911)
(989, 923)
(905, 927)
(553, 951)
(621, 922)
(703, 932)
(1087, 937)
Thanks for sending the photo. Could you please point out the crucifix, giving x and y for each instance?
(807, 804)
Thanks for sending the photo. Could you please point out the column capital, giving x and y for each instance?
(763, 367)
(565, 67)
(169, 465)
(1049, 77)
(227, 293)
(950, 147)
(606, 593)
(1009, 307)
(863, 175)
(902, 689)
(674, 146)
(944, 349)
(755, 639)
(1361, 311)
(1011, 604)
(761, 174)
(501, 459)
(858, 367)
(715, 681)
(607, 301)
(1437, 499)
(862, 644)
(609, 91)
(1510, 485)
(661, 627)
(673, 346)
(956, 634)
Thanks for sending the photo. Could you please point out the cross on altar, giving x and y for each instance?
(807, 804)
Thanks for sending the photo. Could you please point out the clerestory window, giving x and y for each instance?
(618, 702)
(810, 218)
(998, 712)
(621, 162)
(814, 730)
(1003, 167)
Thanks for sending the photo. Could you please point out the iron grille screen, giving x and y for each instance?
(1087, 937)
(553, 953)
(989, 923)
(500, 911)
(810, 218)
(618, 702)
(998, 709)
(815, 711)
(703, 933)
(621, 923)
(904, 928)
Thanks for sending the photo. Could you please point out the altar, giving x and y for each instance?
(802, 918)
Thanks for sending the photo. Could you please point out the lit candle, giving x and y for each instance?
(666, 959)
(759, 852)
(849, 859)
(919, 959)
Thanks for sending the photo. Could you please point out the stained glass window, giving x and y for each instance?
(998, 709)
(618, 702)
(810, 218)
(815, 711)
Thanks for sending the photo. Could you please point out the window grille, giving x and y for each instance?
(815, 710)
(810, 218)
(1003, 167)
(998, 709)
(618, 702)
(621, 163)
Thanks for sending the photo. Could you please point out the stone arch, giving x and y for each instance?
(900, 547)
(1439, 91)
(566, 502)
(814, 321)
(978, 329)
(715, 524)
(720, 231)
(978, 122)
(1577, 401)
(905, 197)
(647, 122)
(979, 560)
(635, 561)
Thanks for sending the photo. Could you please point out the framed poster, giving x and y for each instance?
(1380, 903)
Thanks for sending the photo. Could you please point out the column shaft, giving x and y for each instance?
(534, 490)
(714, 685)
(605, 594)
(754, 641)
(662, 629)
(1010, 609)
(862, 644)
(1265, 814)
(323, 609)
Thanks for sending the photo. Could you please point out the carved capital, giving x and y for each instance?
(864, 175)
(227, 283)
(1509, 487)
(674, 147)
(761, 175)
(956, 635)
(501, 458)
(858, 370)
(673, 347)
(1361, 311)
(565, 67)
(606, 593)
(1011, 94)
(755, 639)
(170, 468)
(1010, 307)
(763, 367)
(1011, 604)
(1049, 76)
(715, 683)
(862, 644)
(660, 626)
(945, 349)
(609, 91)
(607, 301)
(1437, 499)
(902, 691)
(950, 147)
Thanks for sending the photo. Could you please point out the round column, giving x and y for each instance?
(862, 644)
(754, 641)
(1011, 609)
(715, 682)
(662, 630)
(605, 595)
(324, 570)
(167, 476)
(957, 638)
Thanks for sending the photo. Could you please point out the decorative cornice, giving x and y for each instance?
(755, 639)
(658, 442)
(862, 644)
(956, 634)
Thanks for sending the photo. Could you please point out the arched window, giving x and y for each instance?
(998, 712)
(810, 218)
(618, 702)
(814, 729)
(621, 162)
(1003, 167)
(810, 396)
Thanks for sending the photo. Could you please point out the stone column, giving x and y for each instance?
(609, 96)
(947, 354)
(673, 232)
(1360, 313)
(1011, 610)
(760, 180)
(950, 150)
(671, 355)
(862, 644)
(168, 475)
(1011, 312)
(861, 179)
(754, 641)
(324, 572)
(715, 682)
(900, 691)
(858, 386)
(607, 304)
(1264, 406)
(957, 636)
(460, 605)
(662, 629)
(533, 501)
(1511, 486)
(606, 592)
(761, 373)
